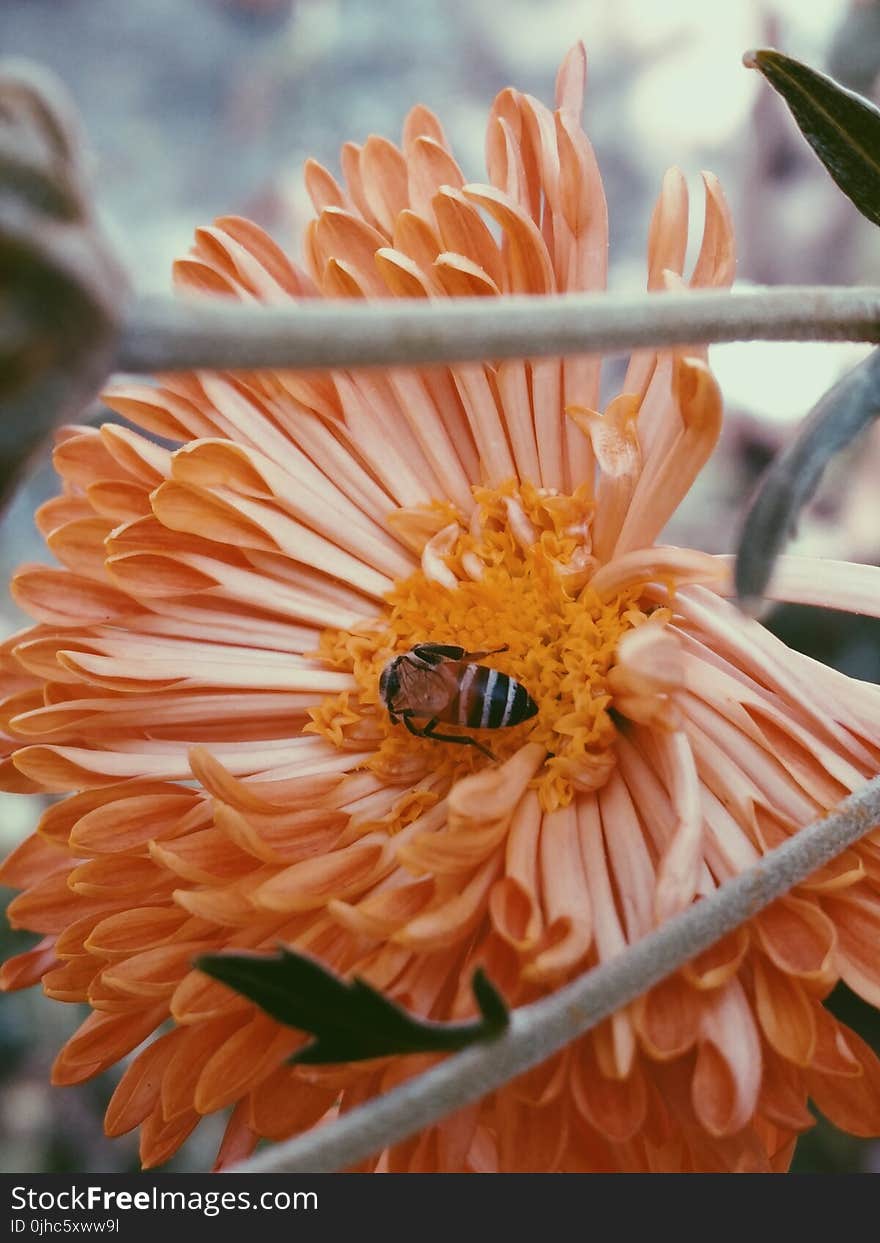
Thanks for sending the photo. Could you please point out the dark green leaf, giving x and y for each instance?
(844, 411)
(349, 1020)
(841, 127)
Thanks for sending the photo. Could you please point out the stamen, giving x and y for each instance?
(516, 584)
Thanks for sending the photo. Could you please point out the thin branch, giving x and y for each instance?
(539, 1030)
(842, 414)
(168, 335)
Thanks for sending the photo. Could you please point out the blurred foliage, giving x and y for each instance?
(854, 53)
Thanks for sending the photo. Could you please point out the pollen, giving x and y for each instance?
(516, 577)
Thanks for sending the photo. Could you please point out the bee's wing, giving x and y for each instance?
(437, 653)
(425, 691)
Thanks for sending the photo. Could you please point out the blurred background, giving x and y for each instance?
(198, 108)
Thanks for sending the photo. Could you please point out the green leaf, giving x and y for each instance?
(349, 1020)
(836, 419)
(841, 127)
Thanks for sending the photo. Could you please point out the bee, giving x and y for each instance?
(445, 684)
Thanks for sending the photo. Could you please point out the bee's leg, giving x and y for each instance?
(408, 722)
(429, 731)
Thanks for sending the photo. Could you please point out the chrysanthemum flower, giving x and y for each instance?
(202, 684)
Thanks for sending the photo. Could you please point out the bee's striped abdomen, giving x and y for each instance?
(488, 699)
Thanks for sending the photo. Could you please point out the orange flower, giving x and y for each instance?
(203, 686)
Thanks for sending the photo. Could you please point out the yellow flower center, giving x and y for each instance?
(517, 579)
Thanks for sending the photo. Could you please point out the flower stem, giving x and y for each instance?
(169, 335)
(539, 1030)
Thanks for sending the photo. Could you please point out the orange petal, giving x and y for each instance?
(716, 262)
(238, 1141)
(156, 410)
(102, 1040)
(851, 1102)
(25, 970)
(154, 973)
(133, 931)
(36, 859)
(545, 1083)
(528, 266)
(798, 938)
(282, 1105)
(436, 847)
(451, 919)
(462, 278)
(127, 823)
(840, 873)
(137, 1092)
(833, 1055)
(667, 238)
(464, 232)
(615, 1107)
(242, 1061)
(60, 510)
(84, 457)
(614, 440)
(718, 964)
(201, 278)
(571, 79)
(79, 545)
(491, 796)
(50, 906)
(57, 821)
(422, 122)
(727, 1076)
(161, 1139)
(208, 857)
(414, 237)
(282, 838)
(655, 565)
(678, 874)
(674, 460)
(265, 797)
(268, 254)
(384, 911)
(71, 980)
(784, 1095)
(384, 176)
(785, 1014)
(65, 599)
(857, 919)
(144, 460)
(345, 238)
(565, 899)
(667, 1019)
(343, 873)
(514, 905)
(429, 167)
(322, 187)
(116, 878)
(185, 1066)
